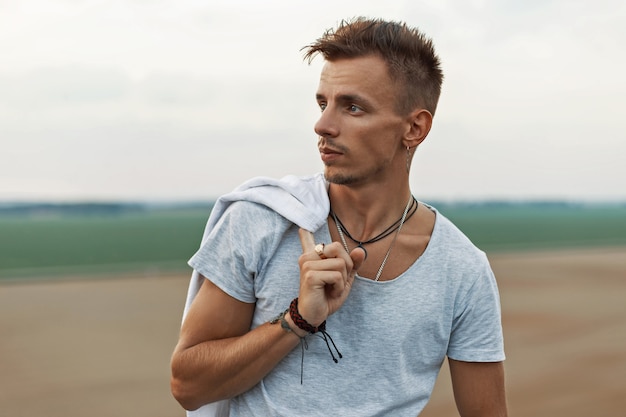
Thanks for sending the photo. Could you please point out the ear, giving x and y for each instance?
(419, 123)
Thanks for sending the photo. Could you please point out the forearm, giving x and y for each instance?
(220, 369)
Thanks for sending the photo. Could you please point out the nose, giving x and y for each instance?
(327, 124)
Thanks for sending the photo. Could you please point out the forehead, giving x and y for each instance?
(363, 76)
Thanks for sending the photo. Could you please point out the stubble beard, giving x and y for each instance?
(347, 176)
(351, 178)
(340, 179)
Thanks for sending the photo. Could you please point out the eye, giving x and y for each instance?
(322, 106)
(353, 108)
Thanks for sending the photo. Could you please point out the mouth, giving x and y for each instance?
(329, 154)
(328, 150)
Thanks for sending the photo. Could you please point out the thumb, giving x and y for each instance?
(306, 240)
(358, 256)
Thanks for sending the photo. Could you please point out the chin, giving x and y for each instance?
(340, 178)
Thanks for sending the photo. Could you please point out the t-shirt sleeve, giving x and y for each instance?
(230, 256)
(476, 334)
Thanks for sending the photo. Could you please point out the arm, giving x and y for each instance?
(478, 388)
(217, 355)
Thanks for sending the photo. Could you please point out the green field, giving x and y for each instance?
(45, 246)
(153, 240)
(507, 227)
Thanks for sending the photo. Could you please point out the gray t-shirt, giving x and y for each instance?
(393, 335)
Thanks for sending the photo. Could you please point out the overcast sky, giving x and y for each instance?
(171, 100)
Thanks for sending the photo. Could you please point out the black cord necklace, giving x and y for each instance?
(380, 236)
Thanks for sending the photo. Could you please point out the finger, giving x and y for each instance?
(358, 257)
(306, 240)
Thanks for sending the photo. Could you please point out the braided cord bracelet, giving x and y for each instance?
(306, 326)
(301, 322)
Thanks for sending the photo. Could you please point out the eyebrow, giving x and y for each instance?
(348, 98)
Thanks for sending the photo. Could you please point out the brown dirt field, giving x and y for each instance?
(564, 319)
(102, 347)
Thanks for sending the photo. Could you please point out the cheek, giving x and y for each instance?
(386, 139)
(378, 139)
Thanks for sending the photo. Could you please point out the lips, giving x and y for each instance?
(327, 150)
(329, 154)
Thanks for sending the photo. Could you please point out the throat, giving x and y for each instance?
(409, 211)
(394, 229)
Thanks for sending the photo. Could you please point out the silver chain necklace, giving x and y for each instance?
(382, 265)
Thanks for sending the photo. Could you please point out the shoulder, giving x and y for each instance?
(252, 219)
(448, 235)
(250, 211)
(452, 254)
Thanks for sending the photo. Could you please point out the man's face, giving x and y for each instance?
(360, 131)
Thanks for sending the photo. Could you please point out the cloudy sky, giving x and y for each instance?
(171, 100)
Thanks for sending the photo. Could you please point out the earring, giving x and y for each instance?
(408, 159)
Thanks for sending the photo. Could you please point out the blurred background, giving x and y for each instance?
(122, 121)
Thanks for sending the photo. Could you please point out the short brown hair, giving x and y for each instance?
(409, 54)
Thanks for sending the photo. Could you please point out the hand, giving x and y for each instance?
(325, 283)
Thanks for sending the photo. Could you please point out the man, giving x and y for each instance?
(341, 294)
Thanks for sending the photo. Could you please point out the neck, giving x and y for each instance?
(366, 213)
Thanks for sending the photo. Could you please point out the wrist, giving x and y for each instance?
(294, 328)
(301, 322)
